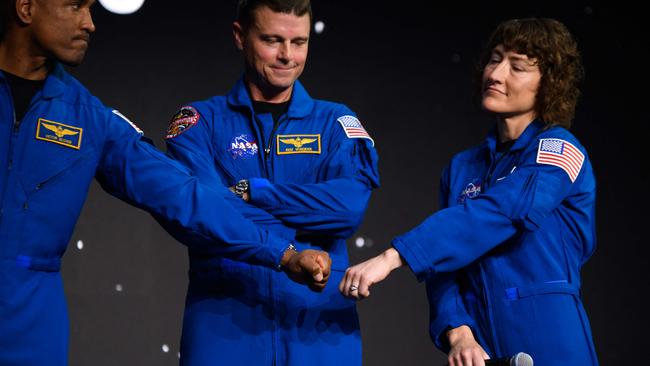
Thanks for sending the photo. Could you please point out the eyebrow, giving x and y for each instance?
(523, 58)
(271, 35)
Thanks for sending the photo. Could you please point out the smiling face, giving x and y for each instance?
(275, 47)
(60, 29)
(509, 84)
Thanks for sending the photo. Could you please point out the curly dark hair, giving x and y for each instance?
(558, 59)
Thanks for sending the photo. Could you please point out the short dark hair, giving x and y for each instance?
(246, 8)
(558, 59)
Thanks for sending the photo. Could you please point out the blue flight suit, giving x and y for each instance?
(47, 163)
(308, 180)
(504, 254)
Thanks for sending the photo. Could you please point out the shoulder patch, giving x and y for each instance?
(353, 128)
(135, 127)
(562, 154)
(185, 118)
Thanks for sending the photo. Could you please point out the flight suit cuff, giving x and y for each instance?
(278, 247)
(414, 257)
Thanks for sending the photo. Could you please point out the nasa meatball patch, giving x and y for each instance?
(185, 118)
(243, 146)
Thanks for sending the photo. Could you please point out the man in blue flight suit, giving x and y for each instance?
(299, 167)
(54, 138)
(502, 257)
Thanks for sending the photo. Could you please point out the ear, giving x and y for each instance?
(239, 35)
(24, 10)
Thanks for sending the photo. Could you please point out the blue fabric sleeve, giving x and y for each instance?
(195, 214)
(454, 237)
(334, 206)
(194, 149)
(446, 307)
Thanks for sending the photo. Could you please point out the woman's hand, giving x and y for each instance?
(358, 279)
(465, 351)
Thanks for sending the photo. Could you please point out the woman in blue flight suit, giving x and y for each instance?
(502, 257)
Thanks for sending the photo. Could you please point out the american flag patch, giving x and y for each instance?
(353, 128)
(561, 154)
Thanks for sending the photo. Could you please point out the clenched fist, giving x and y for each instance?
(309, 267)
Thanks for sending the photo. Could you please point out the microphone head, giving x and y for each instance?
(521, 359)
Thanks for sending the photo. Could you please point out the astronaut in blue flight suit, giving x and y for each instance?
(54, 138)
(301, 168)
(502, 257)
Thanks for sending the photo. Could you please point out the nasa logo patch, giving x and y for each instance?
(472, 190)
(243, 146)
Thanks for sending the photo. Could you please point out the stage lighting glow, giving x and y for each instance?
(165, 348)
(122, 6)
(319, 27)
(80, 244)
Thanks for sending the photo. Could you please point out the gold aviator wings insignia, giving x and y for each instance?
(58, 130)
(297, 142)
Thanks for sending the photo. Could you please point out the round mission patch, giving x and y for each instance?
(185, 118)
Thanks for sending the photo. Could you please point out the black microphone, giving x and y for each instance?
(520, 359)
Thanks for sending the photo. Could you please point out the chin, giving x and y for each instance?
(490, 107)
(72, 59)
(282, 83)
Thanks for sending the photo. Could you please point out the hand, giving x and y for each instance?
(465, 351)
(310, 267)
(358, 279)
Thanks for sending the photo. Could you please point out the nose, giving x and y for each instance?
(286, 54)
(87, 23)
(496, 73)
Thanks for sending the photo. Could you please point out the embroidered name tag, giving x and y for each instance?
(59, 133)
(298, 144)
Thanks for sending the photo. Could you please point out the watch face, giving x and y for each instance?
(241, 187)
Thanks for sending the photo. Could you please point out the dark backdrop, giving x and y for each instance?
(406, 70)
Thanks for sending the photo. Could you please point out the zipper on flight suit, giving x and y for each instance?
(12, 143)
(10, 155)
(486, 287)
(493, 167)
(267, 148)
(266, 161)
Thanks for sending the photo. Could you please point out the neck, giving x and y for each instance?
(511, 127)
(268, 95)
(17, 58)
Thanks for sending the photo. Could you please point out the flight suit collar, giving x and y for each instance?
(55, 83)
(533, 129)
(300, 106)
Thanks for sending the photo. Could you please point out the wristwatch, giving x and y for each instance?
(241, 187)
(289, 247)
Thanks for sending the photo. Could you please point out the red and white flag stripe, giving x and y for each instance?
(562, 154)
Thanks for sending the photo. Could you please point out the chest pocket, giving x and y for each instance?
(45, 164)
